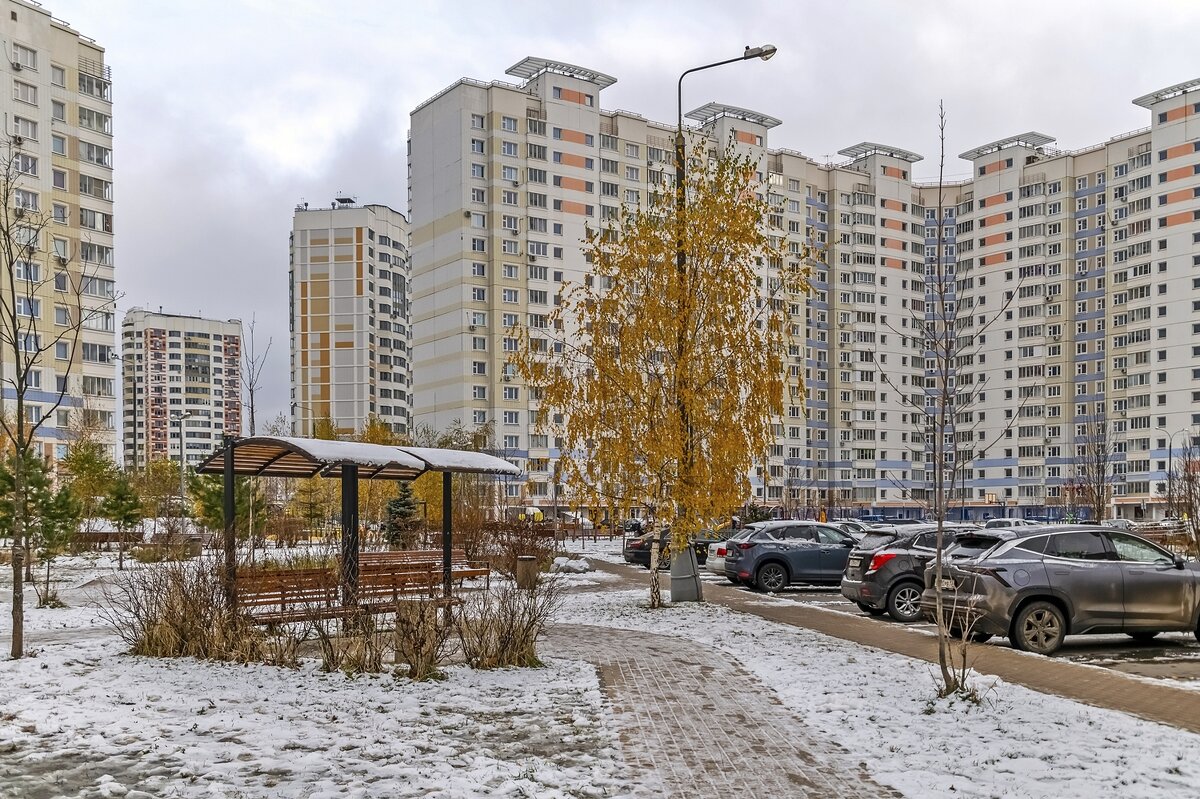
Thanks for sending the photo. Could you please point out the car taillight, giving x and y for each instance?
(990, 572)
(635, 544)
(744, 545)
(720, 552)
(878, 560)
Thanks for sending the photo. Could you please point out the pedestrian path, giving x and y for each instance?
(1159, 702)
(693, 724)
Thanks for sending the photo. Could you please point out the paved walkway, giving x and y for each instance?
(693, 724)
(1091, 685)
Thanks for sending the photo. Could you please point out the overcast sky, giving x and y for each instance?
(227, 114)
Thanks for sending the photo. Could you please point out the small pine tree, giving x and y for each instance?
(38, 496)
(55, 531)
(123, 507)
(401, 523)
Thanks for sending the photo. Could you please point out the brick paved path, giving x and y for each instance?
(695, 725)
(1091, 685)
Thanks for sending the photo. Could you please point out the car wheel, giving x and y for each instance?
(904, 603)
(1039, 628)
(865, 608)
(771, 577)
(1143, 635)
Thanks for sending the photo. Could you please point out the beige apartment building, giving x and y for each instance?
(181, 385)
(58, 115)
(350, 318)
(1085, 257)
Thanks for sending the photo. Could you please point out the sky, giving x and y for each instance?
(227, 114)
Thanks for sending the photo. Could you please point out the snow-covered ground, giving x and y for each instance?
(1020, 743)
(80, 718)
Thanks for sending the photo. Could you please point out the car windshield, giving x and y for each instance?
(875, 540)
(969, 545)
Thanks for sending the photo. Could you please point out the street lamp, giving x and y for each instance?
(685, 577)
(127, 362)
(1170, 467)
(179, 417)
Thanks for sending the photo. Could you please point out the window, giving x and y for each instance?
(509, 124)
(479, 392)
(62, 316)
(24, 56)
(61, 213)
(477, 121)
(23, 198)
(26, 270)
(94, 120)
(512, 393)
(58, 145)
(58, 76)
(59, 178)
(632, 173)
(25, 92)
(477, 146)
(58, 111)
(1135, 549)
(1079, 546)
(478, 195)
(477, 171)
(512, 417)
(26, 128)
(509, 173)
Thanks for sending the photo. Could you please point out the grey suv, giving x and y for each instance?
(780, 553)
(886, 571)
(1037, 585)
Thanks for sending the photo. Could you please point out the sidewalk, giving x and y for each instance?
(675, 705)
(1091, 685)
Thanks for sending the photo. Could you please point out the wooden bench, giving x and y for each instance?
(277, 596)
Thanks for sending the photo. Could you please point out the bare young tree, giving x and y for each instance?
(1186, 487)
(252, 369)
(1094, 467)
(944, 412)
(45, 301)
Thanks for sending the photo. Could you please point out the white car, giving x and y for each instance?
(575, 521)
(994, 523)
(715, 562)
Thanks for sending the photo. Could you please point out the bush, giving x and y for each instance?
(503, 542)
(500, 627)
(174, 608)
(421, 637)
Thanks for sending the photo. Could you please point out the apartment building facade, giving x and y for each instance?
(59, 135)
(181, 385)
(350, 318)
(503, 178)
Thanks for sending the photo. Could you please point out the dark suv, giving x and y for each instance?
(885, 573)
(1037, 585)
(781, 553)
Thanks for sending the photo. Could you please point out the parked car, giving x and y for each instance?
(1119, 524)
(852, 526)
(715, 562)
(637, 548)
(885, 572)
(1006, 522)
(782, 553)
(1037, 585)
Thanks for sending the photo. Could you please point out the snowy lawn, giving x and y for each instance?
(878, 706)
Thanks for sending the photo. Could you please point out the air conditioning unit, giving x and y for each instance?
(62, 260)
(516, 183)
(507, 378)
(466, 214)
(471, 328)
(16, 65)
(19, 211)
(532, 257)
(17, 140)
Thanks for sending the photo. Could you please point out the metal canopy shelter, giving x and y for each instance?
(347, 461)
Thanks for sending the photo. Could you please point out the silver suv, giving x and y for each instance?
(1039, 584)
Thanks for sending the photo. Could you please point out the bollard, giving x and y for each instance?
(527, 572)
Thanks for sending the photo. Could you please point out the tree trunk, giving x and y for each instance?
(655, 592)
(18, 598)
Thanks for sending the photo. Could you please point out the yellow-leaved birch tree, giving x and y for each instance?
(667, 378)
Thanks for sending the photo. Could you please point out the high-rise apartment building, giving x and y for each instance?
(59, 126)
(350, 318)
(1084, 259)
(181, 385)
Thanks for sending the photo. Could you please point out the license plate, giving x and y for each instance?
(855, 562)
(947, 584)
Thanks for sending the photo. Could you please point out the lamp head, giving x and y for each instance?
(765, 52)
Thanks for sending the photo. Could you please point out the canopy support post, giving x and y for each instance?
(230, 538)
(349, 534)
(447, 543)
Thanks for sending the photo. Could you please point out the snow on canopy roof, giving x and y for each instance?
(281, 456)
(459, 460)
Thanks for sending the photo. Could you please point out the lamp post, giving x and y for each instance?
(127, 362)
(1170, 467)
(685, 577)
(179, 417)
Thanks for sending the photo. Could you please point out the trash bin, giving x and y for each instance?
(527, 572)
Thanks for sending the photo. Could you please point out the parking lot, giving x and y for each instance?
(1174, 657)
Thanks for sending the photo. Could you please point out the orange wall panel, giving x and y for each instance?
(570, 159)
(1179, 173)
(893, 172)
(1181, 149)
(572, 96)
(575, 184)
(995, 238)
(893, 205)
(995, 166)
(1179, 112)
(893, 224)
(745, 137)
(997, 258)
(988, 202)
(1180, 196)
(994, 219)
(1179, 219)
(569, 207)
(573, 136)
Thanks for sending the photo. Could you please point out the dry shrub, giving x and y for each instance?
(178, 609)
(500, 627)
(504, 542)
(421, 638)
(354, 645)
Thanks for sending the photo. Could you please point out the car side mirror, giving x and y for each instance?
(1179, 561)
(848, 543)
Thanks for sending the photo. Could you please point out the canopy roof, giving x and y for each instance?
(278, 456)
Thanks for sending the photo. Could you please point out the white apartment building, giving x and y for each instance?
(181, 385)
(350, 318)
(58, 115)
(1092, 245)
